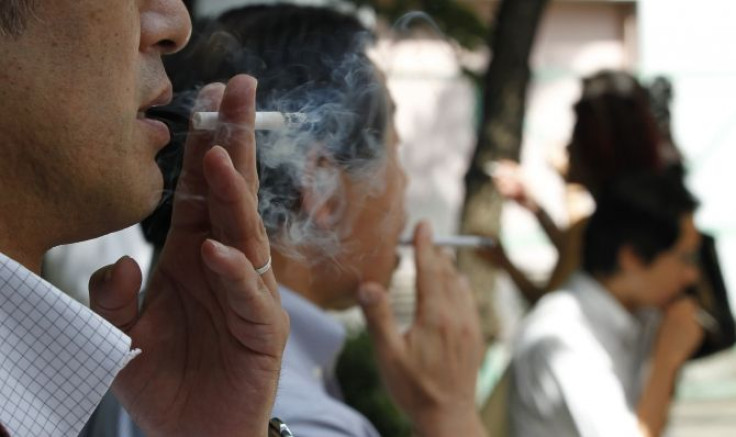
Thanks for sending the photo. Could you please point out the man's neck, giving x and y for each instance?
(619, 289)
(30, 259)
(309, 281)
(24, 226)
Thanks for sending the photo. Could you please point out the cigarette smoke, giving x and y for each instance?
(329, 78)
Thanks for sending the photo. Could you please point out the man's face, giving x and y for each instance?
(673, 270)
(379, 218)
(375, 218)
(78, 156)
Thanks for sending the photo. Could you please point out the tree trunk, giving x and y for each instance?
(499, 136)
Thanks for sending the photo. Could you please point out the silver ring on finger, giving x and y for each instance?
(266, 267)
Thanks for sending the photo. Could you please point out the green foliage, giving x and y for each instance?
(361, 385)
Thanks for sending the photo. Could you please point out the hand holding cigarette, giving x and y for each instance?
(208, 121)
(681, 331)
(225, 307)
(431, 368)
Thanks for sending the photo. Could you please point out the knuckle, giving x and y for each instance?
(444, 323)
(260, 231)
(431, 269)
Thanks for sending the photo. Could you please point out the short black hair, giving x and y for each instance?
(642, 210)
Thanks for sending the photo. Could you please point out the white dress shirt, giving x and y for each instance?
(57, 358)
(308, 397)
(578, 364)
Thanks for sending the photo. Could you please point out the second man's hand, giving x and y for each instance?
(431, 370)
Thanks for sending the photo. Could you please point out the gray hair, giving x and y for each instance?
(312, 61)
(308, 60)
(14, 16)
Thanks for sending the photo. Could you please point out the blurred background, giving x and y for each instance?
(479, 80)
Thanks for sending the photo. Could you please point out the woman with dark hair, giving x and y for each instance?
(332, 200)
(615, 134)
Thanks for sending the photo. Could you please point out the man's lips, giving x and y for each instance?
(163, 97)
(158, 130)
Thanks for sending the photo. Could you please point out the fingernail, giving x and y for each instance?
(220, 151)
(206, 98)
(220, 248)
(107, 277)
(223, 156)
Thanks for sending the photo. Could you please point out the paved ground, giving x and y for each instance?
(706, 404)
(704, 419)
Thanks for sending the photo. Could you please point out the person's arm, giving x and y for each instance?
(654, 404)
(431, 370)
(677, 339)
(509, 182)
(211, 328)
(496, 255)
(554, 233)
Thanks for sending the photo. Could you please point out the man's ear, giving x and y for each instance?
(629, 260)
(323, 192)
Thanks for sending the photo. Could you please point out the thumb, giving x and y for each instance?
(113, 292)
(379, 316)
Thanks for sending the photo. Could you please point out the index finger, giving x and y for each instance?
(236, 132)
(233, 212)
(191, 188)
(429, 269)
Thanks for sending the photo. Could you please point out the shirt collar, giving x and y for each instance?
(57, 357)
(607, 315)
(315, 335)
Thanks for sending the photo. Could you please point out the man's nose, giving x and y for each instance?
(165, 26)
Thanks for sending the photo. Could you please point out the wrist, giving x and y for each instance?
(450, 424)
(533, 207)
(667, 363)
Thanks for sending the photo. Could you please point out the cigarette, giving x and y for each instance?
(264, 120)
(461, 241)
(706, 320)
